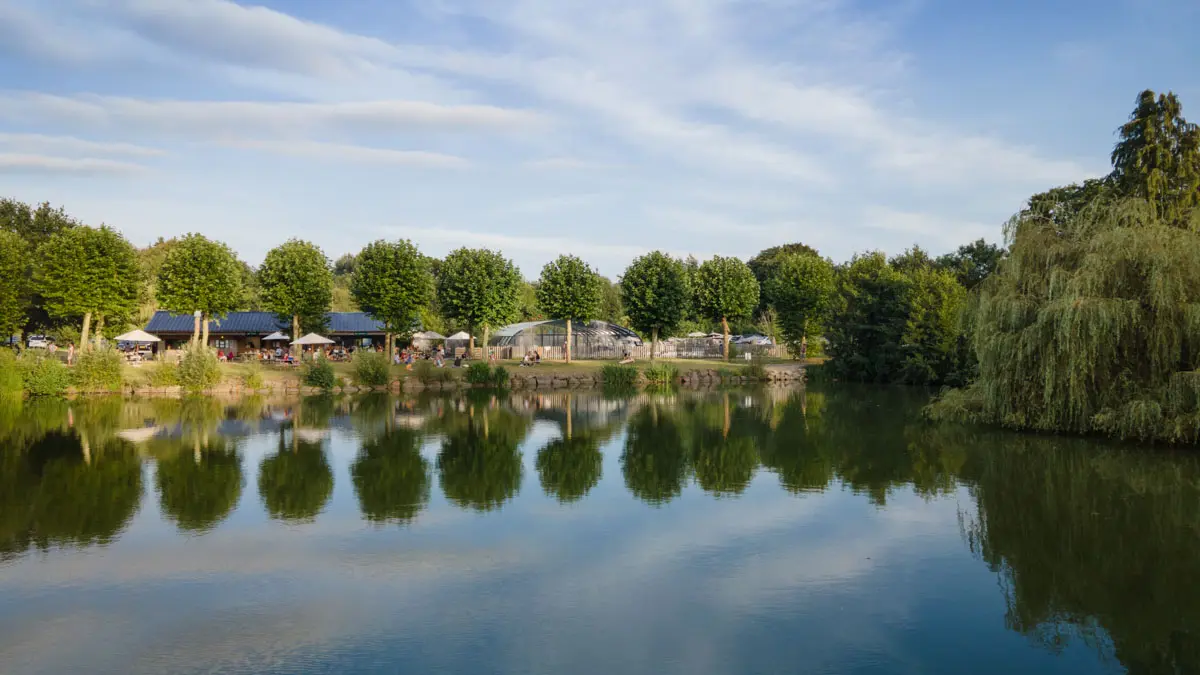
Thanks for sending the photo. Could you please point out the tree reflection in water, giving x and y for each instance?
(1092, 542)
(391, 478)
(54, 494)
(479, 465)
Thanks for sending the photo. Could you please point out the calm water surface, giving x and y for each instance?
(776, 531)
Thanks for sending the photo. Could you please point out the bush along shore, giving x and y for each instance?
(200, 374)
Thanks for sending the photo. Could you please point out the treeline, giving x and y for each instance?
(57, 274)
(1092, 322)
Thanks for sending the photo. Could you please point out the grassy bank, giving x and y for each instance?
(277, 377)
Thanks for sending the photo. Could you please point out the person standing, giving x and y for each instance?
(70, 353)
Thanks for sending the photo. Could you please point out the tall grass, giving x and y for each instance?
(661, 373)
(616, 375)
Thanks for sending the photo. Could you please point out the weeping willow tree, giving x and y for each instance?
(1092, 324)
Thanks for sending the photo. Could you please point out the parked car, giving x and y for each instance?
(39, 342)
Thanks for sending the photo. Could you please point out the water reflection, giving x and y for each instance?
(1093, 544)
(62, 492)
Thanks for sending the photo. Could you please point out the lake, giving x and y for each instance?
(818, 530)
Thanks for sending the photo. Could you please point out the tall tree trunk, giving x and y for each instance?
(195, 329)
(725, 340)
(568, 416)
(471, 342)
(486, 332)
(568, 340)
(295, 332)
(653, 343)
(204, 329)
(99, 332)
(87, 326)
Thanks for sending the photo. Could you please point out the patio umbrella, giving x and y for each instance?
(137, 336)
(277, 337)
(460, 335)
(313, 339)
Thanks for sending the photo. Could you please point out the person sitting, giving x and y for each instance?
(458, 361)
(626, 357)
(527, 360)
(221, 355)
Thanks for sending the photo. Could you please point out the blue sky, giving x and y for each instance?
(604, 129)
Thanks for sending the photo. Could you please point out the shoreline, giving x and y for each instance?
(545, 377)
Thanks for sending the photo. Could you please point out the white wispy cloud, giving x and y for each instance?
(232, 117)
(22, 163)
(352, 153)
(71, 144)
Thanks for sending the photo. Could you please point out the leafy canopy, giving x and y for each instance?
(199, 274)
(800, 289)
(656, 293)
(392, 283)
(1090, 324)
(1158, 157)
(570, 289)
(296, 280)
(479, 287)
(85, 269)
(972, 263)
(895, 322)
(725, 289)
(14, 282)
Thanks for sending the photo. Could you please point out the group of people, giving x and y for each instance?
(531, 358)
(408, 355)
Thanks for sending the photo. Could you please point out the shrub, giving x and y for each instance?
(616, 375)
(252, 376)
(164, 374)
(319, 373)
(10, 373)
(199, 369)
(43, 375)
(371, 369)
(661, 373)
(479, 373)
(500, 377)
(756, 370)
(425, 372)
(98, 369)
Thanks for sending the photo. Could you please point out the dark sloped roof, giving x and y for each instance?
(254, 323)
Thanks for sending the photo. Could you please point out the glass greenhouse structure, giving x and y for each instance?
(589, 339)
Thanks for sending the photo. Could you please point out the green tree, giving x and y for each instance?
(612, 308)
(726, 289)
(656, 295)
(569, 289)
(199, 274)
(198, 491)
(391, 478)
(972, 263)
(1158, 157)
(528, 305)
(34, 226)
(1090, 324)
(297, 284)
(88, 272)
(14, 283)
(799, 289)
(479, 288)
(765, 263)
(392, 283)
(867, 321)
